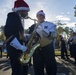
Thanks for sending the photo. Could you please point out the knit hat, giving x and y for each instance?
(41, 12)
(20, 5)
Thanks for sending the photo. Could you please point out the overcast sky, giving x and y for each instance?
(54, 9)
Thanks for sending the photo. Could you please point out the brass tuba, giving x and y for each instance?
(25, 57)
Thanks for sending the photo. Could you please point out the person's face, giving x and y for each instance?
(40, 18)
(23, 13)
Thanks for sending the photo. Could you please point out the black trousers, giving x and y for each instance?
(71, 50)
(17, 67)
(64, 52)
(45, 57)
(74, 51)
(0, 52)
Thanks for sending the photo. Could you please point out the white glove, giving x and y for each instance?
(16, 44)
(23, 48)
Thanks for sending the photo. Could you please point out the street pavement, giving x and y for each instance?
(64, 67)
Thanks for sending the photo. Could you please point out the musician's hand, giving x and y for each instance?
(23, 48)
(28, 49)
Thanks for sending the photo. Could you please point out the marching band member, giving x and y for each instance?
(74, 46)
(46, 32)
(70, 45)
(14, 34)
(63, 48)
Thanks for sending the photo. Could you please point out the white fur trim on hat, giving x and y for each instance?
(20, 8)
(42, 13)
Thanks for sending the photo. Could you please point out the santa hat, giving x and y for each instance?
(41, 12)
(20, 5)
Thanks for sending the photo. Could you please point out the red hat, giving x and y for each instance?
(20, 5)
(41, 12)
